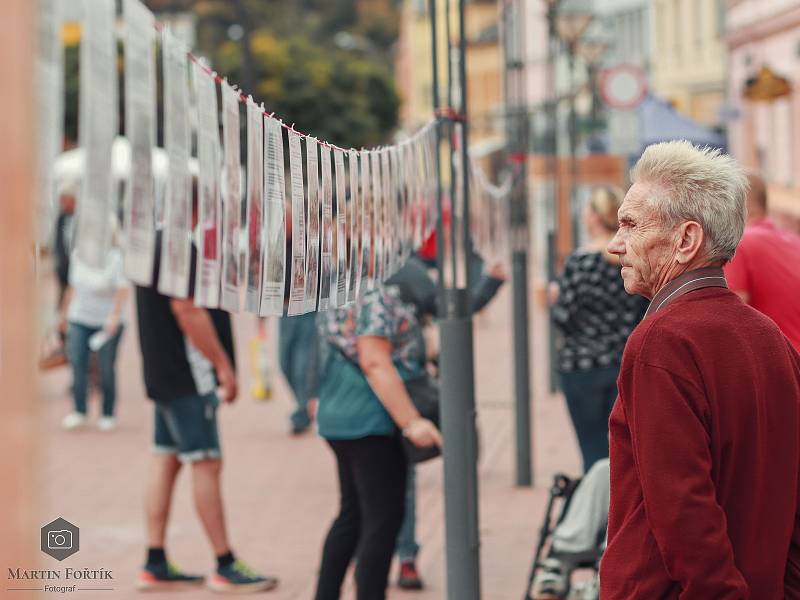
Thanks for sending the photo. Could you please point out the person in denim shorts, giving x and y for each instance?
(188, 363)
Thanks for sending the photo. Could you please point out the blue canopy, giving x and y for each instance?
(662, 123)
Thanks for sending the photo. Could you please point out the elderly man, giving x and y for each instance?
(705, 433)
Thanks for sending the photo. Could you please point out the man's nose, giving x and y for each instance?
(616, 246)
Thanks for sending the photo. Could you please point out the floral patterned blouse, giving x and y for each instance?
(379, 312)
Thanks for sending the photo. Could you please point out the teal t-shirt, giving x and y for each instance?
(348, 408)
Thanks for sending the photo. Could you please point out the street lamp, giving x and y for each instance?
(571, 22)
(592, 52)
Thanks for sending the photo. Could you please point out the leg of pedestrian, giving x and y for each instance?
(380, 472)
(407, 546)
(107, 358)
(158, 573)
(342, 539)
(78, 354)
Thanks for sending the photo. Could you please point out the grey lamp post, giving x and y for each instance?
(572, 21)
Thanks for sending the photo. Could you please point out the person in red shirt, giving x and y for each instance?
(705, 433)
(765, 272)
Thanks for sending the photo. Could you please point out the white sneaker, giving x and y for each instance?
(551, 581)
(74, 420)
(106, 423)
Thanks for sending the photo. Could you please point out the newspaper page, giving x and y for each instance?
(376, 260)
(255, 205)
(405, 197)
(388, 212)
(367, 234)
(417, 208)
(173, 279)
(339, 297)
(98, 128)
(231, 186)
(356, 228)
(50, 107)
(312, 219)
(326, 265)
(209, 217)
(140, 128)
(298, 286)
(396, 229)
(273, 286)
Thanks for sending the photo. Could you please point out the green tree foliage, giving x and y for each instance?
(289, 59)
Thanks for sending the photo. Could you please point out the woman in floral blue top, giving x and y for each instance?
(367, 351)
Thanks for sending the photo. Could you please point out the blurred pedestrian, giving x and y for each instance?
(705, 434)
(367, 351)
(297, 347)
(418, 289)
(765, 272)
(188, 363)
(94, 305)
(595, 316)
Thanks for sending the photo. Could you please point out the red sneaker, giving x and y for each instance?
(409, 578)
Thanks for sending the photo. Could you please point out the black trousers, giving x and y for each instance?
(372, 479)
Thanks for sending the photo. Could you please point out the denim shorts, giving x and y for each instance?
(187, 427)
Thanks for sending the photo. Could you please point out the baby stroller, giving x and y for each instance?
(561, 493)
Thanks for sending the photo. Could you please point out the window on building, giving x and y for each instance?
(698, 23)
(677, 27)
(720, 8)
(660, 28)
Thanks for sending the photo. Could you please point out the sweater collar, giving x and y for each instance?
(685, 283)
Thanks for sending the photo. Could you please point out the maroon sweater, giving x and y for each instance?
(705, 457)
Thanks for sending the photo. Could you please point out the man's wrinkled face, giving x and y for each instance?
(644, 245)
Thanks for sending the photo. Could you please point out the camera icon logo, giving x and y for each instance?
(60, 539)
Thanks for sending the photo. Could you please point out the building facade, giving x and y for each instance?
(688, 56)
(763, 39)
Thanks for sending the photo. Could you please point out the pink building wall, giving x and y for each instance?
(766, 135)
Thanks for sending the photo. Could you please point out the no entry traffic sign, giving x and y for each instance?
(623, 86)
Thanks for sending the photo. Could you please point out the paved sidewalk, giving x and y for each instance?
(281, 491)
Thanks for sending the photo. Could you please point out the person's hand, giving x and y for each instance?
(61, 323)
(497, 271)
(111, 325)
(226, 377)
(552, 292)
(423, 433)
(311, 407)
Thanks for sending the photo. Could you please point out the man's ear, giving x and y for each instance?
(690, 242)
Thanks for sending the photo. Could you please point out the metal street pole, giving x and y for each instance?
(517, 150)
(553, 171)
(573, 145)
(457, 387)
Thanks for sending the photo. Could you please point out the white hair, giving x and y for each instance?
(698, 184)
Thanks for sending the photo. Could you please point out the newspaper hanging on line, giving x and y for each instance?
(140, 128)
(326, 243)
(376, 261)
(272, 287)
(356, 230)
(312, 219)
(255, 205)
(49, 108)
(209, 218)
(339, 283)
(98, 128)
(387, 200)
(298, 274)
(173, 279)
(232, 198)
(367, 265)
